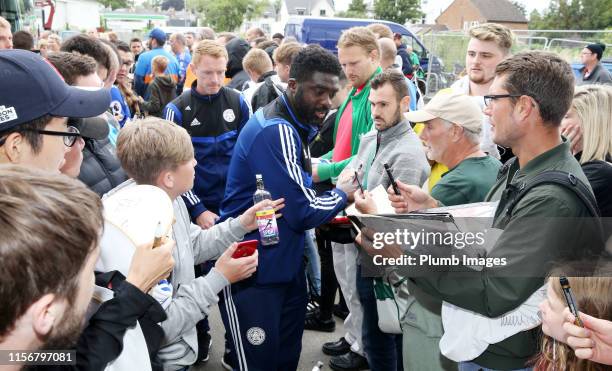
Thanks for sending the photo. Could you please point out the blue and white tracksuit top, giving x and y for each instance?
(275, 144)
(213, 121)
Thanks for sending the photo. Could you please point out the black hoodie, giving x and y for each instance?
(160, 92)
(236, 50)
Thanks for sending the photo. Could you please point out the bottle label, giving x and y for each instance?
(266, 222)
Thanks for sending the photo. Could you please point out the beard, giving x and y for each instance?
(397, 117)
(306, 112)
(66, 333)
(480, 79)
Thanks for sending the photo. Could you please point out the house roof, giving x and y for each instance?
(293, 5)
(499, 11)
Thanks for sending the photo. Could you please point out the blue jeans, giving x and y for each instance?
(383, 351)
(471, 366)
(313, 269)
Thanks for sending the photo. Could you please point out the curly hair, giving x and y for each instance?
(311, 59)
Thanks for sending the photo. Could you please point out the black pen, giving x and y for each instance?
(358, 182)
(393, 184)
(569, 298)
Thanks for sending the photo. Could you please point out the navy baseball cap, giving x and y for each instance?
(158, 34)
(32, 88)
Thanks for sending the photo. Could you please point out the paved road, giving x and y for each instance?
(311, 346)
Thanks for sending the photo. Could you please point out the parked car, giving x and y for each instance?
(326, 32)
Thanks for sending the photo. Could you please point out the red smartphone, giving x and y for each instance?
(340, 220)
(245, 248)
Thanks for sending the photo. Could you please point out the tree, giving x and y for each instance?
(228, 15)
(356, 9)
(573, 15)
(175, 4)
(520, 6)
(114, 4)
(398, 11)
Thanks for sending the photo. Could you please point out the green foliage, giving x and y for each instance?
(399, 11)
(175, 4)
(357, 9)
(520, 6)
(573, 15)
(114, 4)
(227, 15)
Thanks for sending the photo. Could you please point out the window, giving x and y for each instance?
(322, 12)
(300, 11)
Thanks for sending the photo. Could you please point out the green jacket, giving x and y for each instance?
(538, 232)
(362, 123)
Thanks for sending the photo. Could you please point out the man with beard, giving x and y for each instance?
(45, 299)
(265, 313)
(451, 134)
(490, 43)
(396, 144)
(49, 297)
(50, 224)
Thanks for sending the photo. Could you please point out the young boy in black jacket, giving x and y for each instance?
(161, 91)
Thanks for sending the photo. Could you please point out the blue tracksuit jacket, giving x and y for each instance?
(274, 144)
(213, 121)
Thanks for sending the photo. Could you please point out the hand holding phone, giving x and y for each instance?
(245, 248)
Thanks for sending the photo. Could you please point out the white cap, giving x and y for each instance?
(453, 107)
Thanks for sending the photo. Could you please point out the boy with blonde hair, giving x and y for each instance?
(258, 65)
(159, 153)
(161, 91)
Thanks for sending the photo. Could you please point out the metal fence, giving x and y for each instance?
(449, 49)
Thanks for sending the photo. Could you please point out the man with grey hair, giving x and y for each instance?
(206, 33)
(451, 134)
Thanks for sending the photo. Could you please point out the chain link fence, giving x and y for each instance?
(448, 49)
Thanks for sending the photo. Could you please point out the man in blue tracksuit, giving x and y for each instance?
(212, 115)
(265, 314)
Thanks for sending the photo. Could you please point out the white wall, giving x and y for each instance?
(80, 14)
(322, 4)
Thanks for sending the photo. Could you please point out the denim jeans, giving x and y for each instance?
(383, 351)
(313, 269)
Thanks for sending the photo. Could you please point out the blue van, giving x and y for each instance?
(326, 32)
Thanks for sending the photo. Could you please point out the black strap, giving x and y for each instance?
(561, 178)
(505, 168)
